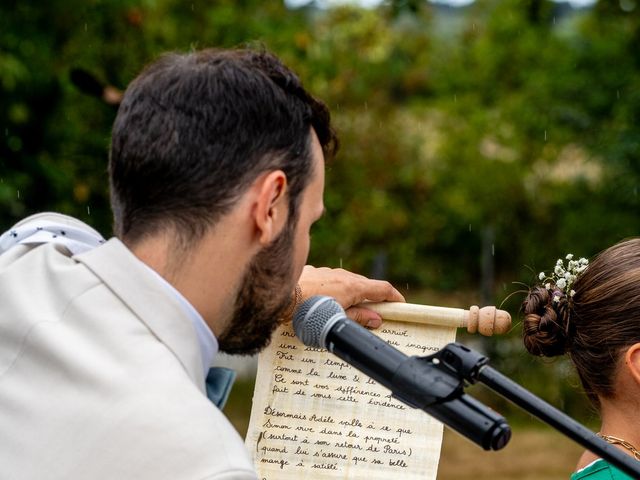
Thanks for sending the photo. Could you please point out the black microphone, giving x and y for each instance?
(321, 322)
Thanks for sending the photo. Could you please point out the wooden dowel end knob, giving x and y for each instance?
(472, 321)
(488, 320)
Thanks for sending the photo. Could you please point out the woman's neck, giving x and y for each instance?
(620, 419)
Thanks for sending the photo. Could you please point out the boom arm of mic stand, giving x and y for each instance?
(473, 367)
(423, 383)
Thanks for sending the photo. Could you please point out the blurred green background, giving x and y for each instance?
(479, 143)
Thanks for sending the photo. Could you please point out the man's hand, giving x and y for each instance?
(348, 289)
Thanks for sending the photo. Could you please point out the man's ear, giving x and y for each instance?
(271, 207)
(632, 361)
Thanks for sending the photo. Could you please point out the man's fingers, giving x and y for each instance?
(348, 289)
(364, 316)
(378, 291)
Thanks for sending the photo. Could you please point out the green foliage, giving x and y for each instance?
(477, 143)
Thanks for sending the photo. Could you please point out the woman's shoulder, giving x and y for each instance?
(600, 469)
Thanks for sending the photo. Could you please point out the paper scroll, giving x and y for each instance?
(316, 417)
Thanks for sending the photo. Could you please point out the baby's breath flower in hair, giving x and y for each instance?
(563, 278)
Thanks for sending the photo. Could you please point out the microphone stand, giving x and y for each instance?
(472, 367)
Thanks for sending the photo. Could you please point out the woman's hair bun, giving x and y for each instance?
(545, 330)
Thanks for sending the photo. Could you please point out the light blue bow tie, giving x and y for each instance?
(219, 383)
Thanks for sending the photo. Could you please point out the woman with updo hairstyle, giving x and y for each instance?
(591, 312)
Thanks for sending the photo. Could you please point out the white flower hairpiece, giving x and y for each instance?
(563, 278)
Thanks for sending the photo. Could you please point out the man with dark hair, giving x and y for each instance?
(217, 174)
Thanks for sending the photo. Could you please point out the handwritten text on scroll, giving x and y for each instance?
(316, 417)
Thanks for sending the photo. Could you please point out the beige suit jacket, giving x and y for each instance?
(100, 374)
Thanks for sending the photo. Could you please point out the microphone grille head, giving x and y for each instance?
(314, 318)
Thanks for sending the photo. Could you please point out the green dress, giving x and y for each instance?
(600, 470)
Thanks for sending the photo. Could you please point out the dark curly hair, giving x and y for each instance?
(596, 325)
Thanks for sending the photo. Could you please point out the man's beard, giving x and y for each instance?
(263, 297)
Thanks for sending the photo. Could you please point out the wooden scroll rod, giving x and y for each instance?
(486, 320)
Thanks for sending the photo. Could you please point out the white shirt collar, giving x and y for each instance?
(206, 340)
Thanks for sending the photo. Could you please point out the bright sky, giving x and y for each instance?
(374, 3)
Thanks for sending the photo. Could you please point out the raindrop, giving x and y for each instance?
(493, 249)
(85, 27)
(618, 94)
(192, 7)
(18, 191)
(545, 135)
(88, 210)
(455, 98)
(341, 263)
(469, 227)
(407, 286)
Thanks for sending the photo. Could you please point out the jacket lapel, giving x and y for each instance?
(136, 287)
